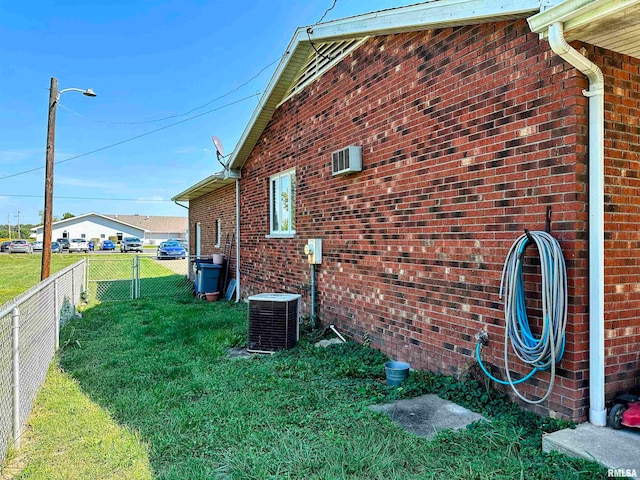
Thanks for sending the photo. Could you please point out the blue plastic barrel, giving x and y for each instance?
(209, 278)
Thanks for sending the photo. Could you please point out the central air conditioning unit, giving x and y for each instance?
(273, 322)
(345, 161)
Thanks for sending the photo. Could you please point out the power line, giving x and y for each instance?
(326, 11)
(177, 115)
(86, 198)
(132, 138)
(310, 31)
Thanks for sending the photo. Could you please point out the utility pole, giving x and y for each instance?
(48, 181)
(47, 230)
(9, 224)
(19, 232)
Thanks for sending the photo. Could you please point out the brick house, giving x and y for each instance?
(472, 127)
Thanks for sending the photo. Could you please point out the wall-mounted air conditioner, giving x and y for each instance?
(347, 160)
(273, 322)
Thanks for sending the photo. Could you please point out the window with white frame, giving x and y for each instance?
(282, 203)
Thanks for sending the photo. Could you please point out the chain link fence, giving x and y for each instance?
(29, 337)
(118, 277)
(162, 278)
(111, 278)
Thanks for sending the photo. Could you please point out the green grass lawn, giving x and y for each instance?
(20, 272)
(149, 383)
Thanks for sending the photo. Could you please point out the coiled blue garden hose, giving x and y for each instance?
(543, 352)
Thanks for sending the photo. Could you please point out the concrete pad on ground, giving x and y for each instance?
(614, 449)
(424, 416)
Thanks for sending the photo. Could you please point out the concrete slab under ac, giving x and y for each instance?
(424, 416)
(238, 353)
(618, 450)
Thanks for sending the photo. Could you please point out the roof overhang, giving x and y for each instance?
(79, 217)
(208, 185)
(610, 24)
(422, 16)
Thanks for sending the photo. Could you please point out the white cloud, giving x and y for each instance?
(152, 199)
(191, 150)
(80, 182)
(19, 155)
(185, 150)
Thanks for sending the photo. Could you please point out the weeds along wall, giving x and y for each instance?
(468, 135)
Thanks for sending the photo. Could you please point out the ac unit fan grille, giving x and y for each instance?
(272, 325)
(347, 160)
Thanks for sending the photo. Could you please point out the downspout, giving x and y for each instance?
(597, 409)
(237, 239)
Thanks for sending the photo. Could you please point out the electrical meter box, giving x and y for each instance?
(313, 250)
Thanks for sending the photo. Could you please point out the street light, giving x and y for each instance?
(54, 96)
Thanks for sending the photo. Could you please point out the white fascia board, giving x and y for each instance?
(299, 36)
(575, 13)
(207, 182)
(421, 16)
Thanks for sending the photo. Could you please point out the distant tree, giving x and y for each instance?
(25, 230)
(67, 215)
(41, 215)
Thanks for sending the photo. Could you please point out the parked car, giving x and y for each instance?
(181, 241)
(20, 246)
(108, 245)
(131, 244)
(56, 247)
(170, 250)
(4, 247)
(78, 245)
(64, 243)
(36, 246)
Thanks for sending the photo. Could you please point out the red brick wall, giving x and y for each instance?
(622, 218)
(220, 204)
(468, 135)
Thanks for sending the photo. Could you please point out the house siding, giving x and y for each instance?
(622, 218)
(469, 135)
(91, 227)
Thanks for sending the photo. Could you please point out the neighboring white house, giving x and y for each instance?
(151, 229)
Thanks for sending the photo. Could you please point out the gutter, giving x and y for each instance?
(597, 408)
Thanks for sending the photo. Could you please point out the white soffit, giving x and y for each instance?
(208, 185)
(610, 24)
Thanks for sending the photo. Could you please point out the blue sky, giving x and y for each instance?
(146, 60)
